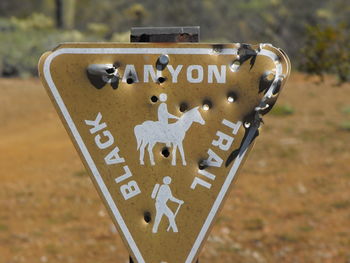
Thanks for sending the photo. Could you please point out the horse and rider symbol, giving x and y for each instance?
(151, 132)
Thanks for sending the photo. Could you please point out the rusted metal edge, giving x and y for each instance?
(165, 34)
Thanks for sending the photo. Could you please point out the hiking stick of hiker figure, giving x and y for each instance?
(163, 194)
(151, 132)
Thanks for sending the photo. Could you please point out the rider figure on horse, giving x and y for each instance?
(163, 114)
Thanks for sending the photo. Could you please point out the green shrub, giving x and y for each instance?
(121, 37)
(327, 50)
(34, 21)
(345, 126)
(254, 224)
(23, 41)
(346, 110)
(98, 28)
(282, 110)
(3, 227)
(342, 204)
(21, 49)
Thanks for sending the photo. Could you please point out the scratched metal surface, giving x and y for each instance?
(217, 105)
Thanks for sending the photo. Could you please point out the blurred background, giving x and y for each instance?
(315, 34)
(292, 200)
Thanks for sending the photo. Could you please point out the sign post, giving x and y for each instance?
(162, 129)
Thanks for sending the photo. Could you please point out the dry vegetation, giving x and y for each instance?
(291, 203)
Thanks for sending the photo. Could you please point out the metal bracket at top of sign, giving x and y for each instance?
(165, 34)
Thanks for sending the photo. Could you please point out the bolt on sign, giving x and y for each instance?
(163, 129)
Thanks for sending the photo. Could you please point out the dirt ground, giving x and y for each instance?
(290, 204)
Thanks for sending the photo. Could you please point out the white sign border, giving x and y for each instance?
(88, 158)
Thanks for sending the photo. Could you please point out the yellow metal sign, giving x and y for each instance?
(163, 129)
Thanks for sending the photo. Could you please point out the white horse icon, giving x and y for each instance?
(151, 132)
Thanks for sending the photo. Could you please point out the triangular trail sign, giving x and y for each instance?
(163, 129)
